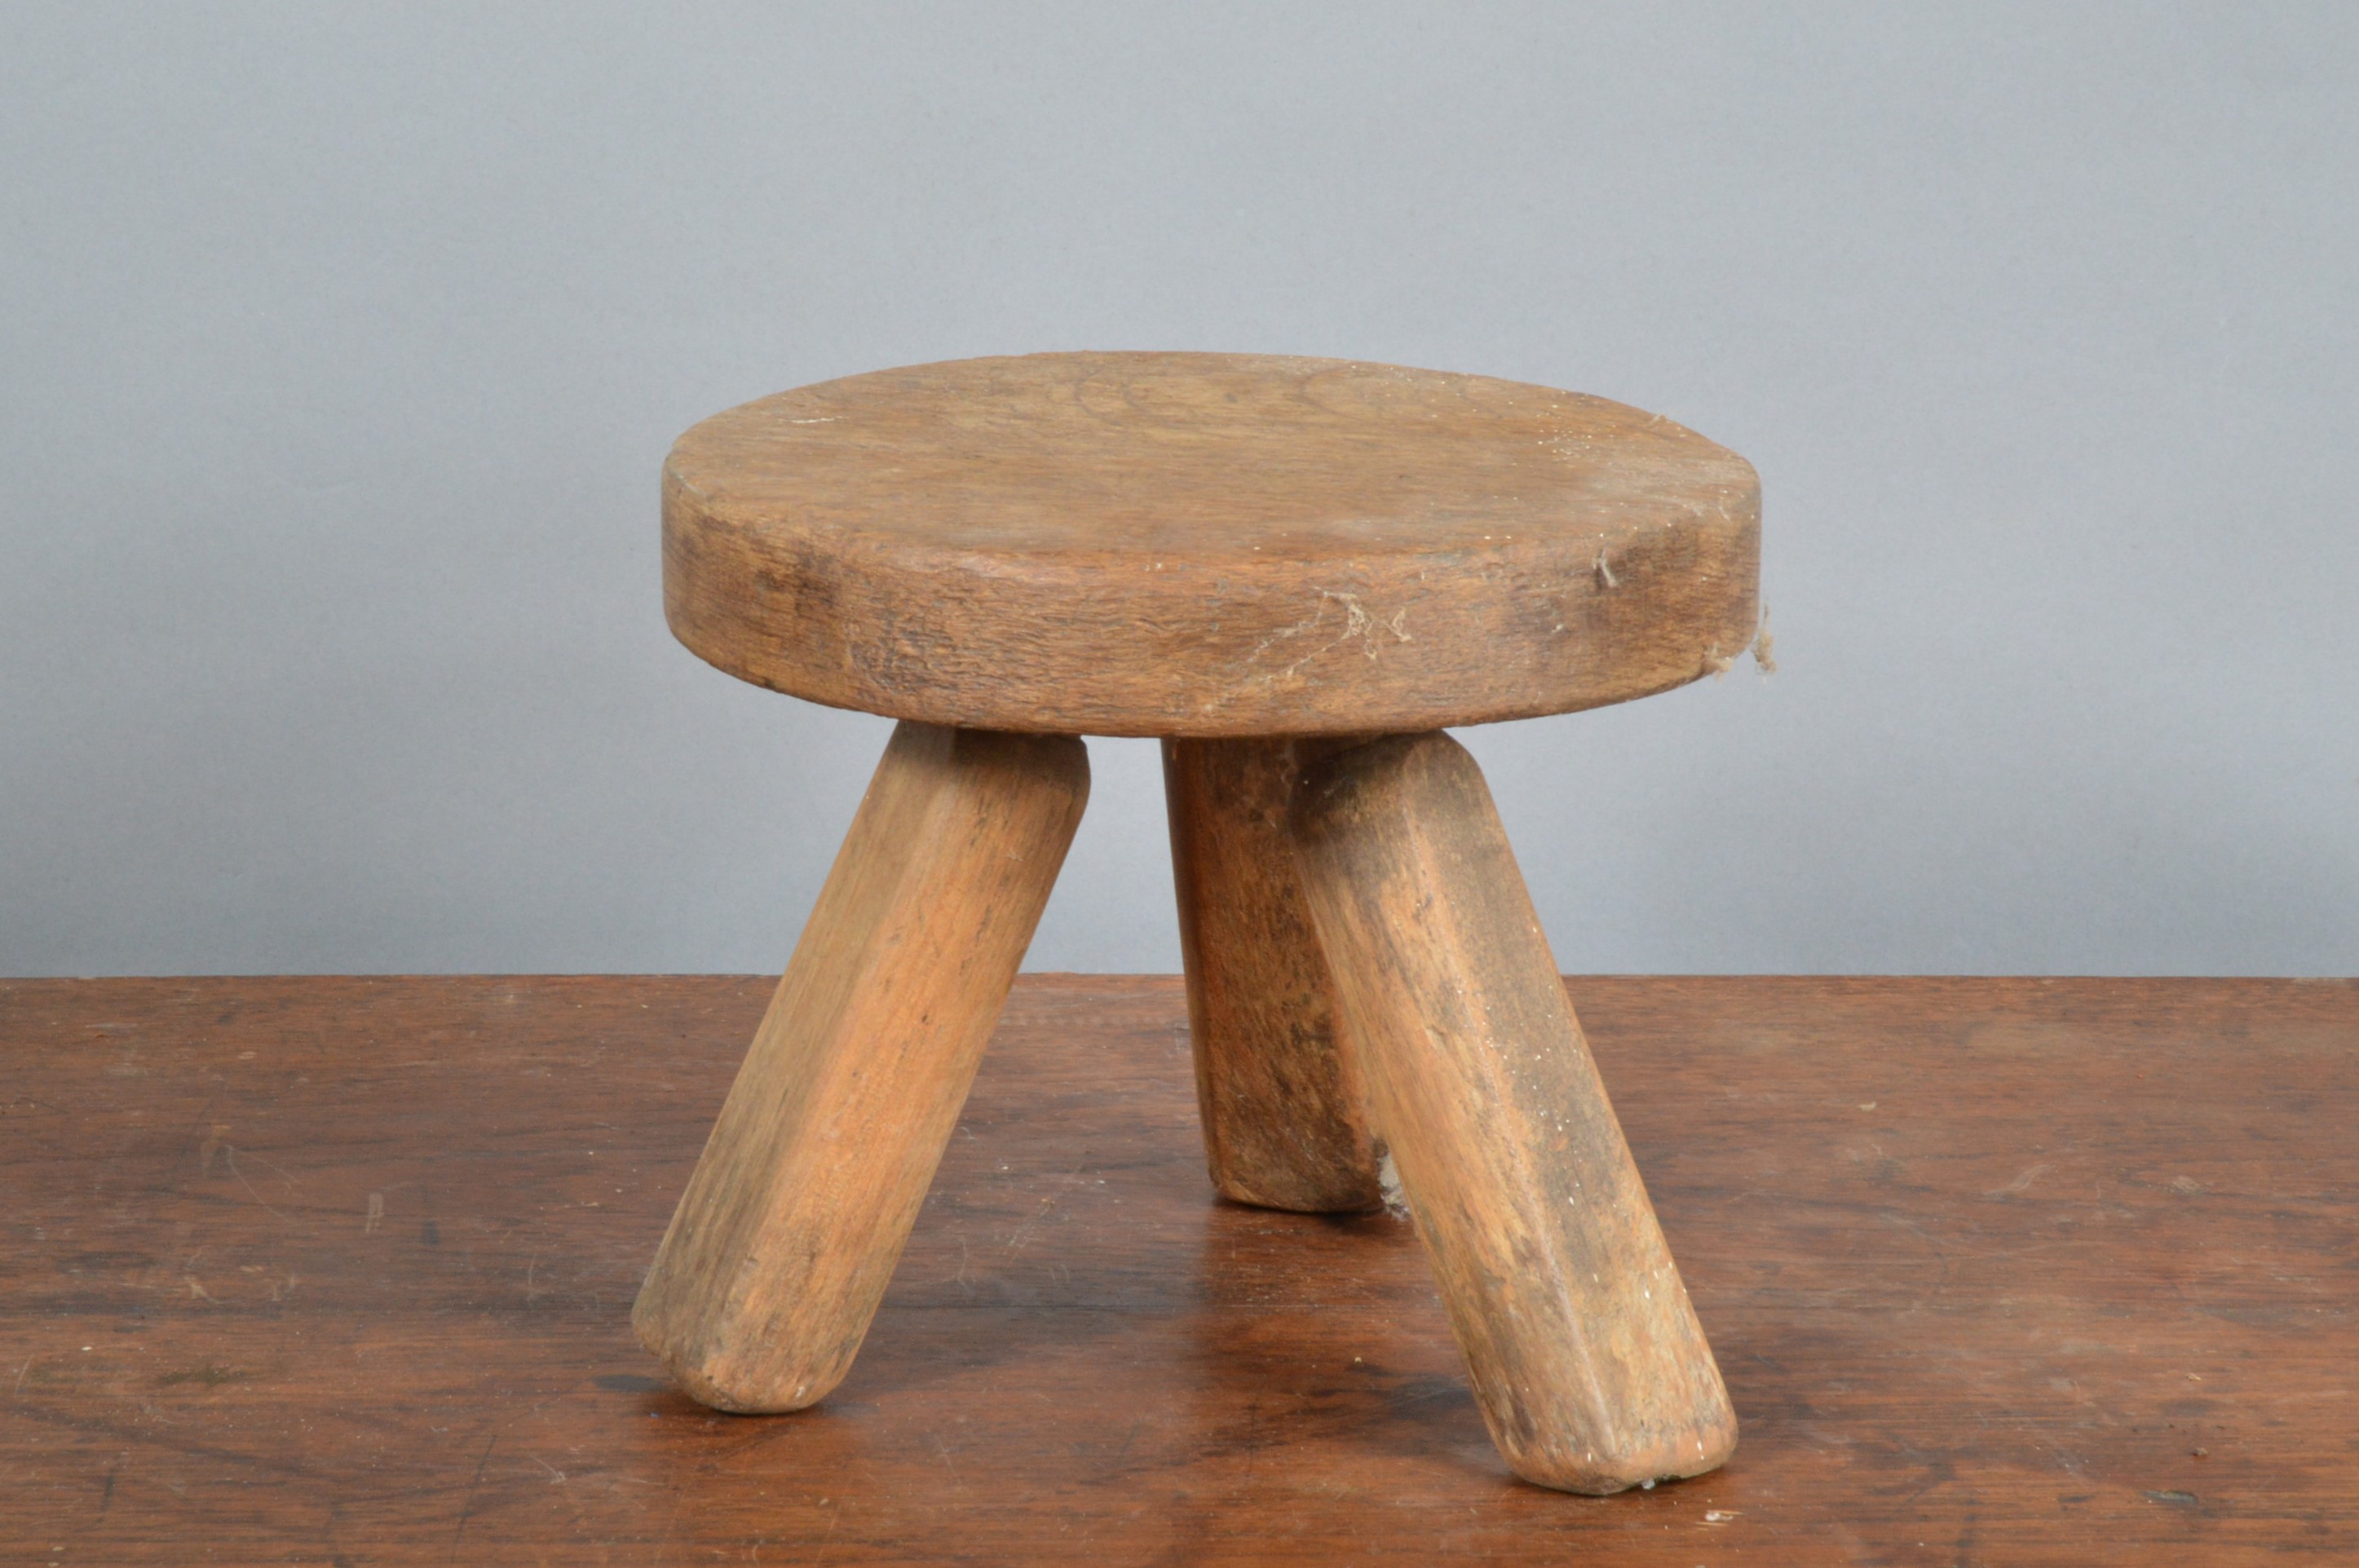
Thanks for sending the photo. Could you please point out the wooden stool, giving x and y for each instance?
(1297, 572)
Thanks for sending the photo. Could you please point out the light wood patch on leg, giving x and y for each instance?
(1584, 1352)
(794, 1217)
(1283, 1123)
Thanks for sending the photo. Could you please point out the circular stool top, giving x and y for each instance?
(1194, 544)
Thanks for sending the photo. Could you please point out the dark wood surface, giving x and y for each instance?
(1204, 544)
(339, 1270)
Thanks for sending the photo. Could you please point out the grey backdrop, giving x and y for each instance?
(340, 345)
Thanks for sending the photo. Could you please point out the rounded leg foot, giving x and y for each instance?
(793, 1219)
(1587, 1357)
(1283, 1123)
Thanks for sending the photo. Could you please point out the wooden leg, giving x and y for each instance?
(1283, 1123)
(792, 1221)
(1585, 1355)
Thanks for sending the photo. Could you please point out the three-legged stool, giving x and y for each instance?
(1296, 572)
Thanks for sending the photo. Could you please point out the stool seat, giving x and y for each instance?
(1205, 545)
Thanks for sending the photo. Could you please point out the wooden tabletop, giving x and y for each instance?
(1204, 544)
(2000, 1271)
